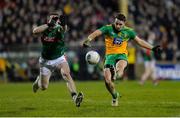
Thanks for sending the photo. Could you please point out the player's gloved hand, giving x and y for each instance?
(62, 19)
(86, 43)
(157, 50)
(52, 22)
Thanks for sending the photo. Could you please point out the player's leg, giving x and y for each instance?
(146, 73)
(42, 81)
(120, 66)
(154, 78)
(108, 75)
(108, 82)
(65, 71)
(153, 73)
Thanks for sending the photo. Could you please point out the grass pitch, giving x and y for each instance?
(148, 100)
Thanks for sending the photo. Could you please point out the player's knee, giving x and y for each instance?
(119, 74)
(66, 74)
(107, 75)
(107, 71)
(107, 79)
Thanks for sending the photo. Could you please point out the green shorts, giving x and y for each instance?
(111, 59)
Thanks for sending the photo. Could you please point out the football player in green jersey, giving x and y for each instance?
(117, 36)
(149, 63)
(52, 56)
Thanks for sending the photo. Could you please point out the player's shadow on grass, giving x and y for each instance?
(28, 108)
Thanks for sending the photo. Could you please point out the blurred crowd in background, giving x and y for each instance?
(156, 19)
(18, 18)
(159, 19)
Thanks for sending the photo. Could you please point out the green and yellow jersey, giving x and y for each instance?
(53, 45)
(116, 41)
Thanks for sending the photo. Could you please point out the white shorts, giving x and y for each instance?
(150, 64)
(48, 66)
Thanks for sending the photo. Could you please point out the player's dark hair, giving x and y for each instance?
(61, 17)
(121, 17)
(58, 13)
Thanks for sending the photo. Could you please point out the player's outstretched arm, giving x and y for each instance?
(157, 49)
(40, 29)
(51, 23)
(143, 43)
(92, 36)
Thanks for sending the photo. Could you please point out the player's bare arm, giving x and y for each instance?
(157, 49)
(92, 36)
(51, 23)
(40, 29)
(143, 43)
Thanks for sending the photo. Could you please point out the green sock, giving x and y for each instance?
(115, 95)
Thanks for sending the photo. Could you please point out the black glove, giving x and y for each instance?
(52, 21)
(62, 19)
(86, 43)
(157, 50)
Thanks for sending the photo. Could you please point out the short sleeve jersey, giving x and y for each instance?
(116, 42)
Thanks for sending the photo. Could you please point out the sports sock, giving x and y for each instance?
(112, 91)
(114, 95)
(73, 94)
